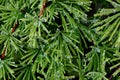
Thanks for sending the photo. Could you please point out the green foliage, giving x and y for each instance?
(108, 29)
(50, 39)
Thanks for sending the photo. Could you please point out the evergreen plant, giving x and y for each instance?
(59, 40)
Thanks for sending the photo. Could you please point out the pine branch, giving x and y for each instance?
(43, 8)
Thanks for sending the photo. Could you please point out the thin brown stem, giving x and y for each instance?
(15, 27)
(2, 56)
(42, 9)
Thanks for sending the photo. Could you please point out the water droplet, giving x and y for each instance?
(44, 19)
(114, 10)
(80, 3)
(102, 11)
